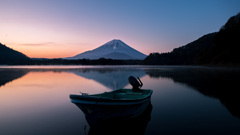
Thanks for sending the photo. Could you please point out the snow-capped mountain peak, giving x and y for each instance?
(115, 44)
(114, 49)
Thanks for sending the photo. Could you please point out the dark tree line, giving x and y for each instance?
(101, 61)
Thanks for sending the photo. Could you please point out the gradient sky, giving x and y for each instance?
(64, 28)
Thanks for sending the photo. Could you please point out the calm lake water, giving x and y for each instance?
(34, 100)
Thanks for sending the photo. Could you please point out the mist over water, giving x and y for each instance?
(185, 100)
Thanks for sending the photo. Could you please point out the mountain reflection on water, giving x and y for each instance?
(180, 99)
(221, 83)
(8, 75)
(111, 78)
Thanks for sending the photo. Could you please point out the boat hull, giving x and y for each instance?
(109, 108)
(113, 111)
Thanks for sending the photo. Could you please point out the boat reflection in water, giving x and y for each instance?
(123, 111)
(121, 126)
(124, 123)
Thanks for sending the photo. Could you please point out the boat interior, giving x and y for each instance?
(125, 94)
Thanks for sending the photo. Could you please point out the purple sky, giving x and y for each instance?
(64, 28)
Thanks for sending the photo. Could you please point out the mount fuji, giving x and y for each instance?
(115, 49)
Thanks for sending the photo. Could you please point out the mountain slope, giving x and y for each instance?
(219, 48)
(117, 56)
(10, 56)
(189, 54)
(115, 49)
(226, 49)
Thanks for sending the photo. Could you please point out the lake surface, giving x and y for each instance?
(186, 100)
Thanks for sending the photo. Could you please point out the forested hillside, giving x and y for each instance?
(220, 48)
(10, 56)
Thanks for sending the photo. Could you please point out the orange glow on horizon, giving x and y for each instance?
(46, 53)
(52, 51)
(49, 53)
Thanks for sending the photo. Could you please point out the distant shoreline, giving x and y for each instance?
(113, 66)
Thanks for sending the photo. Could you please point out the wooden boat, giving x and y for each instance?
(121, 103)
